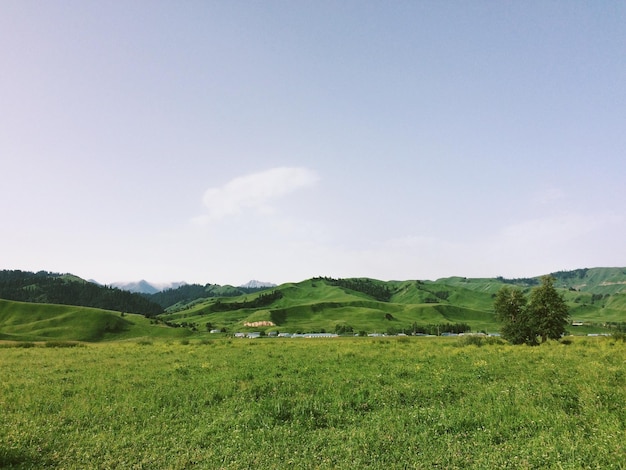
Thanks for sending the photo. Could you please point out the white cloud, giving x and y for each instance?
(257, 192)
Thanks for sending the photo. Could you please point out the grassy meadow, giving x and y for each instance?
(398, 402)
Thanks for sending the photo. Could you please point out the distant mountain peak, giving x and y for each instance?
(145, 287)
(254, 284)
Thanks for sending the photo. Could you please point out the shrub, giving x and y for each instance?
(619, 336)
(343, 328)
(494, 340)
(62, 344)
(18, 344)
(471, 341)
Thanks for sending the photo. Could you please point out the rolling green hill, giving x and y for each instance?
(594, 280)
(320, 305)
(23, 321)
(595, 296)
(67, 289)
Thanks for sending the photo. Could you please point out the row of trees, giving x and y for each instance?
(376, 290)
(263, 300)
(543, 314)
(188, 293)
(435, 329)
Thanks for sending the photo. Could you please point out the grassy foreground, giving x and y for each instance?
(319, 403)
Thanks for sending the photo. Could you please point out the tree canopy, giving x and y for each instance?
(54, 288)
(548, 310)
(544, 314)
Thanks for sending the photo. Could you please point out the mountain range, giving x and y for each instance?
(146, 287)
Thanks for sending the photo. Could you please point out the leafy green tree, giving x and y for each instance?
(510, 309)
(547, 310)
(342, 328)
(544, 315)
(392, 331)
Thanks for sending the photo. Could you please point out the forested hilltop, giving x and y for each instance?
(188, 293)
(54, 288)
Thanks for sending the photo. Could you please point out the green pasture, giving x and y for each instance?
(314, 403)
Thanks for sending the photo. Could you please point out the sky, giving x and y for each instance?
(224, 141)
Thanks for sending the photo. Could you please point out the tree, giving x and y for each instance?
(510, 309)
(342, 329)
(545, 314)
(548, 311)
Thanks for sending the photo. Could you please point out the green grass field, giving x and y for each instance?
(318, 403)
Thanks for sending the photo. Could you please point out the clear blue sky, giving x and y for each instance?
(227, 141)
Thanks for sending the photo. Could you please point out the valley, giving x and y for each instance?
(596, 299)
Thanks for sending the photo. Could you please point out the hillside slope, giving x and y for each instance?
(53, 288)
(321, 305)
(593, 280)
(23, 321)
(325, 304)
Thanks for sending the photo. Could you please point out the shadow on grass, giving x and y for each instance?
(16, 458)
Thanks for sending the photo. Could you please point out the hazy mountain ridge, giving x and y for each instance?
(145, 287)
(254, 284)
